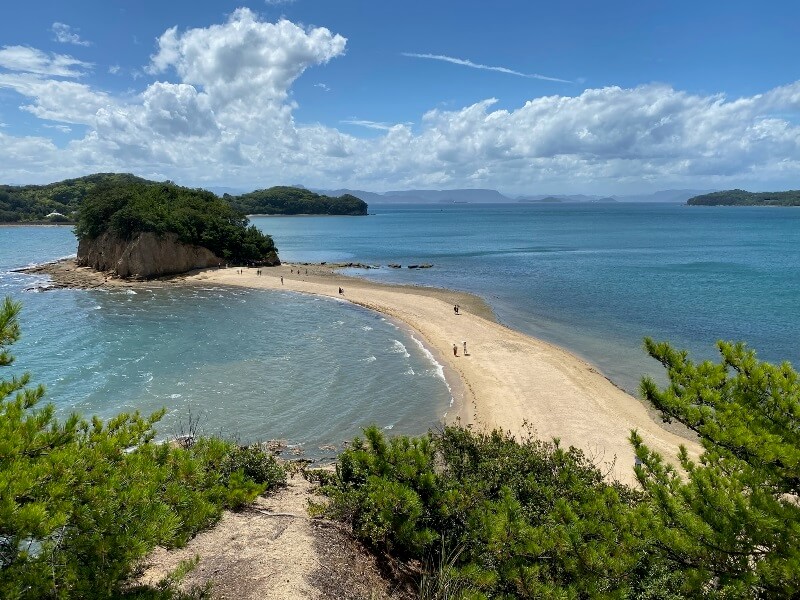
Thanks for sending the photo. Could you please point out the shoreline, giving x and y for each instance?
(508, 380)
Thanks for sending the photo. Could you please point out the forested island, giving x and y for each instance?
(60, 202)
(281, 200)
(745, 198)
(142, 229)
(55, 202)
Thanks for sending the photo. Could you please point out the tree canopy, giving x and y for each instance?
(282, 200)
(491, 516)
(745, 198)
(196, 216)
(61, 201)
(32, 203)
(731, 521)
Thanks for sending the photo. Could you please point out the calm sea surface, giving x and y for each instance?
(253, 365)
(595, 279)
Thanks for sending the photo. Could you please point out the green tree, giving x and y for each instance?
(197, 217)
(519, 518)
(731, 521)
(82, 501)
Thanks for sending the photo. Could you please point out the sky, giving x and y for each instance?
(523, 97)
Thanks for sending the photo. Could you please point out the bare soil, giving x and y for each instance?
(274, 550)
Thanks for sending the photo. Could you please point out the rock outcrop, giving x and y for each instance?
(144, 256)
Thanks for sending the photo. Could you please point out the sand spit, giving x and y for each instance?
(506, 380)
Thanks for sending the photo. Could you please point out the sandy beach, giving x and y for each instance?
(507, 378)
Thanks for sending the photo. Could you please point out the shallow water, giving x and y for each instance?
(252, 364)
(595, 279)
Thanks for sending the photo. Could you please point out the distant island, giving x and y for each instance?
(282, 200)
(745, 198)
(60, 202)
(546, 200)
(489, 196)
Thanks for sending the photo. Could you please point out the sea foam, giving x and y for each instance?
(438, 368)
(399, 348)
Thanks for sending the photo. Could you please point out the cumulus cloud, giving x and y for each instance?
(468, 63)
(222, 113)
(245, 59)
(31, 60)
(65, 34)
(56, 100)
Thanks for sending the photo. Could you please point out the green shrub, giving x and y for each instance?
(256, 464)
(82, 501)
(529, 518)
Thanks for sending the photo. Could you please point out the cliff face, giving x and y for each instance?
(145, 256)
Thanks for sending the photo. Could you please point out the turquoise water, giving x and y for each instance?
(593, 278)
(252, 364)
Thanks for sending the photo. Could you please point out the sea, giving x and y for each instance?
(258, 365)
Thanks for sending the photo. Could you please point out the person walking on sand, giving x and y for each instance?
(281, 279)
(455, 349)
(465, 347)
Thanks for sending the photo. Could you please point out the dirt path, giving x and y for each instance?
(274, 550)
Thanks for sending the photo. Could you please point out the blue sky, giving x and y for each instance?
(592, 97)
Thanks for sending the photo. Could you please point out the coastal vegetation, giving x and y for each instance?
(282, 200)
(82, 501)
(33, 203)
(490, 516)
(745, 198)
(197, 217)
(60, 202)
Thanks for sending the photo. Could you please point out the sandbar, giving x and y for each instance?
(507, 380)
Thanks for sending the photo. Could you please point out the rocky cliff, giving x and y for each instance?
(144, 256)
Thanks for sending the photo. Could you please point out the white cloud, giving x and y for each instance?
(223, 114)
(245, 61)
(468, 63)
(61, 128)
(373, 124)
(323, 87)
(368, 124)
(31, 60)
(66, 35)
(114, 69)
(56, 100)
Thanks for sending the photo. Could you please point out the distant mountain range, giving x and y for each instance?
(485, 196)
